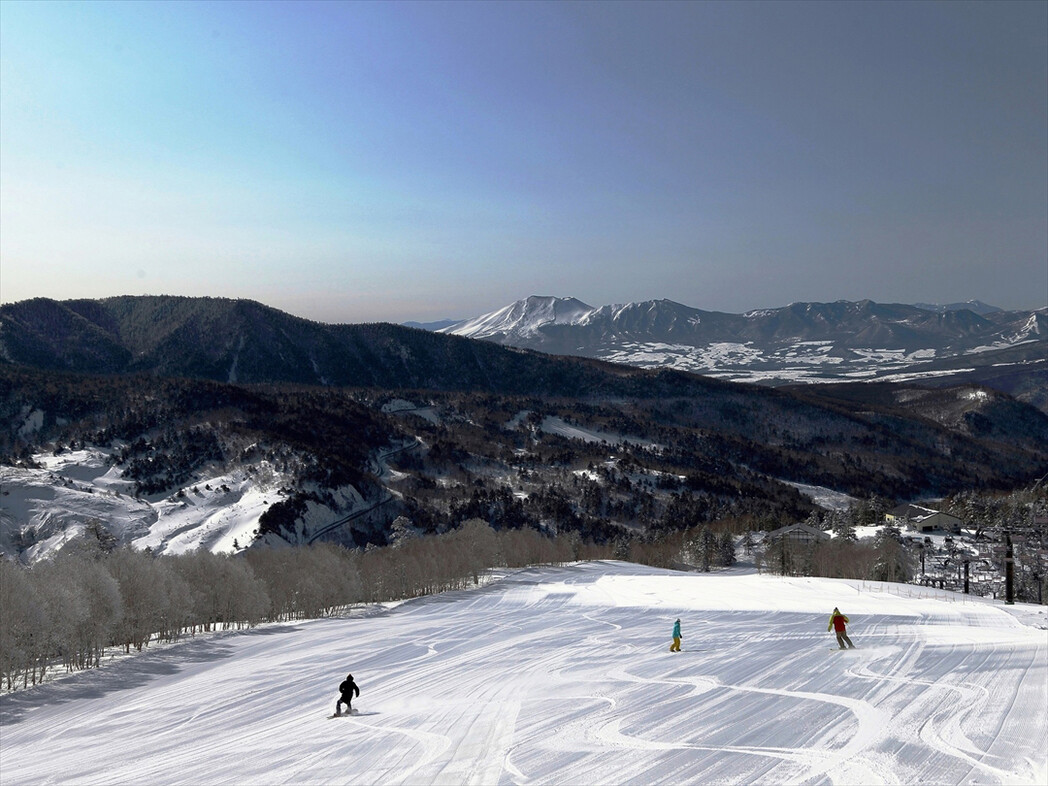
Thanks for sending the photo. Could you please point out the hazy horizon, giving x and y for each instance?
(352, 162)
(465, 317)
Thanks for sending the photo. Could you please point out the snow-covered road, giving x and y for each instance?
(563, 675)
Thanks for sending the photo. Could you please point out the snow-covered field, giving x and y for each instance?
(800, 361)
(563, 675)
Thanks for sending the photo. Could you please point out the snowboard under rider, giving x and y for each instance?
(837, 623)
(348, 689)
(675, 646)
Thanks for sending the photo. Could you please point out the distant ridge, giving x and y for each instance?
(801, 342)
(440, 324)
(975, 306)
(538, 321)
(183, 391)
(245, 342)
(242, 341)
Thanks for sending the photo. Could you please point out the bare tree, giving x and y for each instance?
(142, 591)
(22, 622)
(480, 545)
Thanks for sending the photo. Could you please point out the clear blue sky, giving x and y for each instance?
(394, 161)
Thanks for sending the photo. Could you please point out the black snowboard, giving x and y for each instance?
(345, 714)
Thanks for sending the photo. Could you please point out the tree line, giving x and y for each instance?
(881, 558)
(996, 524)
(69, 610)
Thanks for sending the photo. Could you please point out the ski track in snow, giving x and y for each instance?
(563, 675)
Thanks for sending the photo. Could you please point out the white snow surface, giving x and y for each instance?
(78, 487)
(824, 497)
(563, 675)
(552, 424)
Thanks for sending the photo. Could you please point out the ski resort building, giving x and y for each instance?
(797, 533)
(921, 519)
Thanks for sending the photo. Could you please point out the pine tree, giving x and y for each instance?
(842, 526)
(726, 550)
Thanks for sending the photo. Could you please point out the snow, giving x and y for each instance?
(825, 497)
(917, 376)
(32, 423)
(563, 675)
(652, 354)
(218, 510)
(210, 518)
(552, 424)
(399, 406)
(797, 362)
(886, 357)
(1021, 339)
(523, 318)
(794, 360)
(76, 488)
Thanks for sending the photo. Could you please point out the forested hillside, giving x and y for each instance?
(640, 453)
(242, 341)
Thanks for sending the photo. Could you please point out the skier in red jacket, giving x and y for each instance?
(837, 623)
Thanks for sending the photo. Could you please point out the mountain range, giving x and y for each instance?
(242, 341)
(171, 421)
(802, 342)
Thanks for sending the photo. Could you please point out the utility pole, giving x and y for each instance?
(1009, 571)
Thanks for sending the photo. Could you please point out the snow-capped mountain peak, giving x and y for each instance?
(522, 319)
(804, 341)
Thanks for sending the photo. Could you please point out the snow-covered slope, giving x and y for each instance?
(563, 675)
(521, 320)
(50, 506)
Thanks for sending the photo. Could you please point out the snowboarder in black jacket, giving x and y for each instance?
(348, 689)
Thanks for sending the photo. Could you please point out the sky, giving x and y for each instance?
(352, 162)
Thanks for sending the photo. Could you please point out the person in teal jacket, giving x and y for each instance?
(675, 646)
